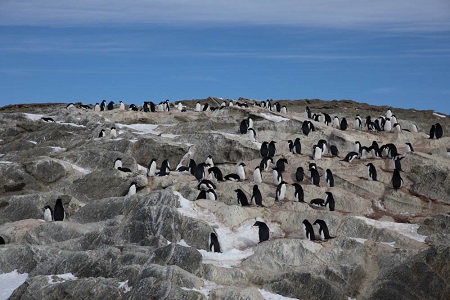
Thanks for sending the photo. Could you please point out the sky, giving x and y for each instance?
(385, 52)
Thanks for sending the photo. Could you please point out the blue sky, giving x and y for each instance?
(379, 52)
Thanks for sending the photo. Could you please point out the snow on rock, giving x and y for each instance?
(271, 296)
(54, 279)
(273, 118)
(147, 129)
(9, 282)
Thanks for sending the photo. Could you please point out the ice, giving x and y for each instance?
(54, 279)
(273, 118)
(9, 282)
(271, 296)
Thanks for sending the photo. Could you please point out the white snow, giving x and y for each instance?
(9, 282)
(148, 129)
(124, 286)
(33, 117)
(70, 124)
(54, 279)
(58, 149)
(226, 259)
(273, 118)
(362, 241)
(207, 287)
(439, 115)
(80, 169)
(271, 296)
(6, 162)
(409, 230)
(33, 142)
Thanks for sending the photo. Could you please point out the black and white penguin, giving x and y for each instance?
(256, 196)
(113, 132)
(432, 131)
(198, 106)
(307, 113)
(317, 202)
(111, 105)
(336, 122)
(241, 171)
(317, 152)
(214, 245)
(371, 172)
(264, 150)
(127, 170)
(387, 125)
(357, 124)
(199, 171)
(263, 231)
(251, 135)
(334, 151)
(216, 173)
(306, 128)
(291, 146)
(97, 107)
(209, 161)
(165, 168)
(133, 107)
(323, 145)
(232, 177)
(329, 179)
(118, 163)
(272, 149)
(241, 197)
(396, 162)
(315, 177)
(284, 109)
(281, 191)
(102, 133)
(265, 163)
(388, 113)
(205, 107)
(312, 166)
(243, 126)
(257, 178)
(250, 123)
(323, 229)
(281, 164)
(298, 192)
(132, 189)
(299, 174)
(350, 157)
(201, 195)
(48, 119)
(205, 185)
(48, 213)
(59, 213)
(121, 105)
(297, 149)
(329, 201)
(277, 176)
(409, 147)
(211, 195)
(344, 124)
(308, 230)
(70, 105)
(151, 169)
(103, 105)
(397, 128)
(397, 180)
(2, 240)
(357, 147)
(413, 128)
(439, 131)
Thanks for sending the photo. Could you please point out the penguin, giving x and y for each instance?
(97, 107)
(329, 201)
(364, 152)
(198, 106)
(121, 105)
(323, 229)
(329, 179)
(277, 176)
(387, 125)
(263, 231)
(371, 172)
(350, 157)
(317, 202)
(291, 146)
(315, 178)
(118, 163)
(132, 189)
(344, 124)
(83, 106)
(205, 184)
(281, 191)
(265, 163)
(317, 152)
(264, 150)
(257, 178)
(151, 169)
(439, 132)
(272, 149)
(250, 123)
(397, 128)
(284, 109)
(307, 113)
(312, 166)
(306, 128)
(393, 120)
(281, 164)
(334, 151)
(103, 105)
(211, 195)
(409, 147)
(357, 124)
(199, 171)
(201, 195)
(432, 131)
(214, 245)
(209, 161)
(192, 166)
(251, 135)
(215, 173)
(243, 126)
(127, 170)
(357, 147)
(256, 196)
(396, 162)
(48, 213)
(413, 128)
(2, 241)
(241, 198)
(297, 149)
(298, 192)
(308, 230)
(133, 107)
(70, 105)
(165, 168)
(102, 133)
(388, 113)
(48, 119)
(299, 174)
(58, 212)
(232, 177)
(241, 171)
(397, 180)
(322, 145)
(111, 105)
(113, 132)
(336, 122)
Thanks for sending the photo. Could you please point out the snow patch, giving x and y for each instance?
(271, 296)
(33, 117)
(226, 259)
(70, 124)
(58, 149)
(6, 162)
(409, 230)
(9, 282)
(54, 279)
(148, 129)
(33, 142)
(124, 286)
(79, 169)
(273, 118)
(439, 115)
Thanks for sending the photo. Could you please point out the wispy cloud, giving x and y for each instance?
(384, 90)
(402, 15)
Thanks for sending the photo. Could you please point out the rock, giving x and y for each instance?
(47, 170)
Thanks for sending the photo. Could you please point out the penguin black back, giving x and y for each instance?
(214, 245)
(256, 196)
(263, 231)
(58, 212)
(299, 174)
(298, 192)
(241, 197)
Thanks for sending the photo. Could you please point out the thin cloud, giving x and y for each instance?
(401, 15)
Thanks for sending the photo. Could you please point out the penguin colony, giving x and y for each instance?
(208, 174)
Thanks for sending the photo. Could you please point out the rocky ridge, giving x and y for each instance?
(387, 244)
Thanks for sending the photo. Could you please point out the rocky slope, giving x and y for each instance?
(388, 244)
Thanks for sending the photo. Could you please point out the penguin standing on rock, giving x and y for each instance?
(371, 172)
(299, 174)
(264, 150)
(48, 213)
(298, 192)
(308, 230)
(323, 229)
(272, 149)
(329, 179)
(241, 171)
(263, 231)
(241, 197)
(151, 169)
(264, 165)
(257, 178)
(214, 245)
(397, 180)
(256, 196)
(59, 213)
(281, 191)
